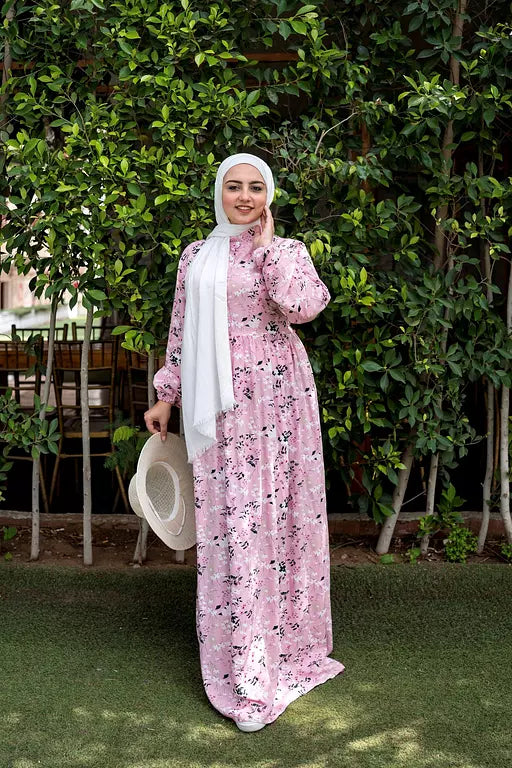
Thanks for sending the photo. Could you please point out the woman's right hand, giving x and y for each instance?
(157, 418)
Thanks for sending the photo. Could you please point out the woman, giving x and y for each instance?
(250, 413)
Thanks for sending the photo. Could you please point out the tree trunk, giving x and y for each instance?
(442, 210)
(141, 548)
(504, 464)
(151, 374)
(7, 61)
(431, 496)
(489, 463)
(388, 526)
(489, 470)
(504, 434)
(86, 444)
(434, 461)
(441, 242)
(36, 465)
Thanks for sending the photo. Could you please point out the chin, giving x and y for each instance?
(242, 220)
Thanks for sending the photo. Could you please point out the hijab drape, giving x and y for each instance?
(206, 375)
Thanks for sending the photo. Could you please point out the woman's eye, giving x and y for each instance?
(235, 188)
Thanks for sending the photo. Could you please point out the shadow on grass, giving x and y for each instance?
(101, 670)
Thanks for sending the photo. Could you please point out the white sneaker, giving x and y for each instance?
(249, 726)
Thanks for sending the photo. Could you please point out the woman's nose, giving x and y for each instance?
(244, 194)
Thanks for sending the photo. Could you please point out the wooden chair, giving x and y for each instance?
(21, 374)
(137, 394)
(137, 379)
(102, 366)
(24, 334)
(95, 332)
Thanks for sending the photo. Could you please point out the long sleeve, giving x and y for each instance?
(167, 381)
(291, 279)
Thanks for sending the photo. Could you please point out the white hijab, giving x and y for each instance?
(206, 375)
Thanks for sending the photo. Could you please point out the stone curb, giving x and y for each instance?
(340, 524)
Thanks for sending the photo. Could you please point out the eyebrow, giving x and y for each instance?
(235, 181)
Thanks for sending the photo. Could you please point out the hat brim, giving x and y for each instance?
(133, 498)
(176, 527)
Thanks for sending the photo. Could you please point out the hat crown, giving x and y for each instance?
(162, 491)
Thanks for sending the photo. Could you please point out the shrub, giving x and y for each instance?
(385, 133)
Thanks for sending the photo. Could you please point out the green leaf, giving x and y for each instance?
(252, 97)
(9, 532)
(387, 559)
(284, 30)
(53, 426)
(97, 295)
(371, 366)
(306, 9)
(455, 367)
(125, 46)
(123, 433)
(396, 375)
(272, 95)
(298, 26)
(489, 115)
(416, 21)
(140, 202)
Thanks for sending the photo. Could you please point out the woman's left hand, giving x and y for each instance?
(267, 229)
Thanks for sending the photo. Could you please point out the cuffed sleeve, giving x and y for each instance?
(291, 279)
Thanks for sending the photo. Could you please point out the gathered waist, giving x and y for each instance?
(283, 335)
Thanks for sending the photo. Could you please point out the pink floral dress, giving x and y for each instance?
(263, 590)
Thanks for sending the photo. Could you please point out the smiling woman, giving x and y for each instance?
(244, 194)
(252, 429)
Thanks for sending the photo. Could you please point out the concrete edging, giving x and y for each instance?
(340, 523)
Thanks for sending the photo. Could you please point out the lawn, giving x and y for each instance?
(100, 670)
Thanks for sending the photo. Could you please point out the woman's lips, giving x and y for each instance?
(243, 209)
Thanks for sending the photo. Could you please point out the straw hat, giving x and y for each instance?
(162, 491)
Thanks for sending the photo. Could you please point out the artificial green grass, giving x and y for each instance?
(101, 670)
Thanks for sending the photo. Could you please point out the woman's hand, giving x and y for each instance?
(267, 229)
(157, 418)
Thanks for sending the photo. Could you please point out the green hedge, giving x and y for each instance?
(390, 170)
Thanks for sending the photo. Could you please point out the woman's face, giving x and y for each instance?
(244, 194)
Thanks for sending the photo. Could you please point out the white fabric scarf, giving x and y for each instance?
(206, 375)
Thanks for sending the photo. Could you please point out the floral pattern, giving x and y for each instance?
(263, 591)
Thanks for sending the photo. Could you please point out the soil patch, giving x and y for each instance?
(114, 549)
